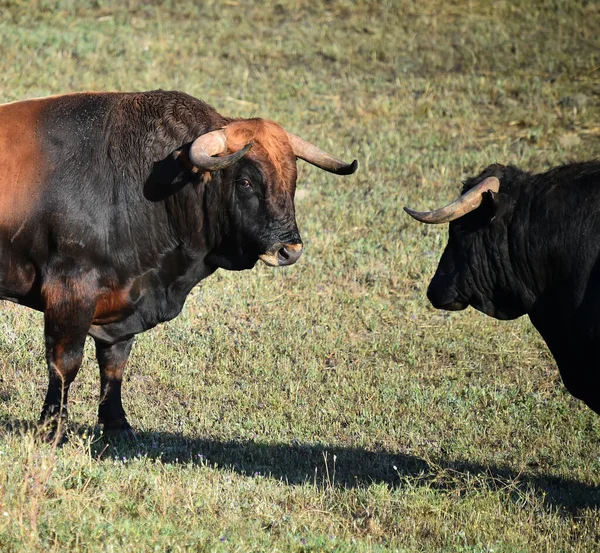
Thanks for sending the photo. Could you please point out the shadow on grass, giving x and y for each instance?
(296, 463)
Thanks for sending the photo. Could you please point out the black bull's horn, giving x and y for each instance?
(466, 203)
(206, 147)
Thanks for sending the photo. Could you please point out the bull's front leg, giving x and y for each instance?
(69, 306)
(112, 359)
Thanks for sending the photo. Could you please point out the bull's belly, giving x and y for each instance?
(153, 307)
(118, 316)
(155, 302)
(137, 304)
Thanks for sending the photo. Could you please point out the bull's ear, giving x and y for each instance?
(169, 175)
(496, 203)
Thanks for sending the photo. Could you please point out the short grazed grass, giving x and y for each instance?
(326, 406)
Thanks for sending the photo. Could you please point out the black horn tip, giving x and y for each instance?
(348, 169)
(226, 161)
(235, 157)
(247, 147)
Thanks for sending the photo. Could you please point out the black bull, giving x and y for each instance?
(530, 244)
(114, 206)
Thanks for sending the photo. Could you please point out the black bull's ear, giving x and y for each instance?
(495, 204)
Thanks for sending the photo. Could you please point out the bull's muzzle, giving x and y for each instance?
(282, 254)
(440, 299)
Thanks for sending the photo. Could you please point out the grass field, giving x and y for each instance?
(325, 406)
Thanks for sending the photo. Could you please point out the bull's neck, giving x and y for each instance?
(548, 247)
(197, 215)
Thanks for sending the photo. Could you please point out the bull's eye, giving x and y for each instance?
(244, 183)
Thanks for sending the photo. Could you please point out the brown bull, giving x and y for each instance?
(114, 206)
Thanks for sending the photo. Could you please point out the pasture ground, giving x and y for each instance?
(327, 406)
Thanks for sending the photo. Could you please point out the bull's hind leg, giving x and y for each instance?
(68, 312)
(112, 360)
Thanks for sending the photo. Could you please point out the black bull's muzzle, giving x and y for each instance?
(442, 294)
(281, 254)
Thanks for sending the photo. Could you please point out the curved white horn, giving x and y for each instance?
(466, 203)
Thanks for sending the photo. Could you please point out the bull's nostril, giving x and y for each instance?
(284, 256)
(289, 254)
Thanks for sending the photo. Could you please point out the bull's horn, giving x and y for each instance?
(206, 146)
(468, 202)
(309, 152)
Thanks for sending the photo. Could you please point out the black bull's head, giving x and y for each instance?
(475, 266)
(259, 159)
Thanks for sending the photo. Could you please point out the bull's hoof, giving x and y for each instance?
(115, 427)
(119, 434)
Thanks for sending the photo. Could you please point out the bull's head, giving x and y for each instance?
(475, 268)
(258, 159)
